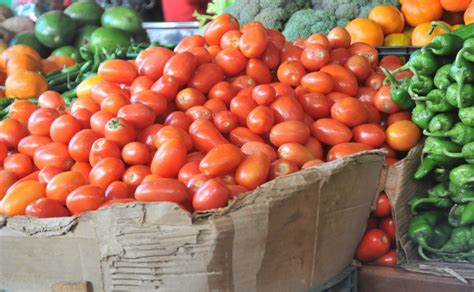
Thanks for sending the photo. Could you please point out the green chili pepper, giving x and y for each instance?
(469, 43)
(460, 240)
(422, 63)
(468, 54)
(441, 234)
(461, 71)
(467, 95)
(463, 175)
(442, 122)
(442, 77)
(467, 153)
(460, 194)
(454, 216)
(436, 101)
(460, 134)
(464, 32)
(444, 44)
(420, 85)
(433, 200)
(399, 91)
(441, 174)
(466, 115)
(421, 115)
(441, 190)
(434, 148)
(467, 216)
(421, 227)
(426, 166)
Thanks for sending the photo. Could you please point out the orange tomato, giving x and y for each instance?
(19, 50)
(403, 135)
(421, 37)
(62, 184)
(18, 63)
(420, 11)
(469, 14)
(21, 110)
(62, 61)
(21, 195)
(388, 17)
(84, 88)
(366, 31)
(25, 84)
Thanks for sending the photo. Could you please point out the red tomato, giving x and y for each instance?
(261, 119)
(46, 208)
(339, 56)
(181, 66)
(315, 147)
(236, 190)
(98, 122)
(178, 119)
(263, 94)
(85, 198)
(317, 38)
(188, 170)
(318, 82)
(119, 131)
(366, 95)
(162, 190)
(189, 42)
(253, 42)
(345, 81)
(62, 184)
(47, 174)
(289, 132)
(271, 56)
(253, 171)
(196, 182)
(369, 134)
(241, 106)
(291, 72)
(240, 135)
(221, 160)
(168, 133)
(383, 207)
(226, 121)
(147, 52)
(314, 57)
(81, 143)
(211, 195)
(230, 39)
(29, 144)
(388, 259)
(118, 71)
(359, 66)
(346, 149)
(215, 105)
(117, 190)
(232, 61)
(275, 37)
(20, 195)
(374, 244)
(101, 149)
(151, 99)
(372, 223)
(296, 153)
(106, 171)
(349, 111)
(83, 168)
(388, 226)
(11, 132)
(400, 116)
(51, 99)
(85, 103)
(242, 82)
(189, 97)
(7, 179)
(290, 52)
(53, 154)
(336, 96)
(253, 147)
(134, 175)
(365, 50)
(40, 121)
(138, 115)
(140, 84)
(258, 70)
(169, 159)
(135, 153)
(282, 167)
(287, 108)
(21, 110)
(312, 163)
(339, 37)
(391, 62)
(147, 135)
(167, 86)
(223, 91)
(205, 77)
(331, 132)
(383, 102)
(218, 27)
(19, 164)
(283, 89)
(316, 105)
(113, 103)
(104, 89)
(199, 112)
(375, 80)
(374, 114)
(205, 136)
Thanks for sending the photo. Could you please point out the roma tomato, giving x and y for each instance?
(134, 175)
(205, 136)
(11, 132)
(178, 119)
(236, 190)
(167, 86)
(199, 112)
(62, 184)
(359, 66)
(181, 66)
(339, 56)
(369, 134)
(106, 171)
(3, 151)
(314, 57)
(85, 198)
(189, 97)
(366, 95)
(215, 105)
(318, 82)
(375, 80)
(213, 194)
(168, 133)
(271, 56)
(46, 208)
(196, 182)
(138, 115)
(253, 42)
(65, 127)
(81, 143)
(287, 108)
(218, 27)
(331, 132)
(312, 163)
(388, 226)
(258, 70)
(29, 144)
(388, 259)
(102, 148)
(282, 167)
(290, 52)
(147, 135)
(374, 244)
(260, 120)
(162, 190)
(7, 179)
(51, 99)
(19, 164)
(169, 159)
(253, 147)
(83, 168)
(223, 91)
(141, 83)
(253, 171)
(21, 110)
(365, 50)
(403, 135)
(85, 103)
(119, 131)
(135, 153)
(345, 81)
(346, 149)
(244, 82)
(53, 154)
(383, 102)
(241, 106)
(289, 132)
(374, 115)
(400, 116)
(240, 135)
(315, 147)
(190, 42)
(291, 72)
(316, 105)
(188, 170)
(84, 117)
(118, 71)
(98, 122)
(230, 39)
(383, 207)
(40, 121)
(206, 76)
(117, 190)
(46, 174)
(339, 37)
(232, 61)
(152, 66)
(103, 89)
(153, 100)
(263, 94)
(226, 121)
(283, 89)
(349, 111)
(296, 153)
(317, 38)
(113, 103)
(221, 160)
(20, 195)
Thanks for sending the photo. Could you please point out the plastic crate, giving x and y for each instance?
(344, 282)
(397, 51)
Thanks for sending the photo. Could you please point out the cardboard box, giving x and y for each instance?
(400, 186)
(290, 234)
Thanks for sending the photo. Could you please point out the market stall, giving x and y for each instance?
(260, 146)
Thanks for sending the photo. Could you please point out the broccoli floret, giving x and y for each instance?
(350, 9)
(305, 22)
(272, 13)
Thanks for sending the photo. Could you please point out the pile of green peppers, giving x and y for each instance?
(441, 96)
